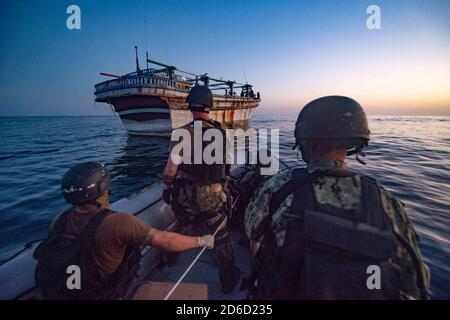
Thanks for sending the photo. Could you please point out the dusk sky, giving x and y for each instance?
(292, 51)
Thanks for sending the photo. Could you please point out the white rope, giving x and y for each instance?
(197, 257)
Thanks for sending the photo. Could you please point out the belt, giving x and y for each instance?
(215, 186)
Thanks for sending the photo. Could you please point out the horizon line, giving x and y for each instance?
(276, 115)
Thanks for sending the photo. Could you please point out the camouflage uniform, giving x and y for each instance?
(202, 208)
(345, 193)
(199, 198)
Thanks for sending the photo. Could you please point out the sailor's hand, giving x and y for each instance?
(206, 241)
(166, 196)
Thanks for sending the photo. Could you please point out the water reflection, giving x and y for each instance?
(140, 164)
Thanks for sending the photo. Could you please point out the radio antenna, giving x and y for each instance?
(146, 47)
(245, 76)
(138, 70)
(166, 51)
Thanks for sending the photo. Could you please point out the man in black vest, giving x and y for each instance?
(199, 198)
(325, 231)
(104, 244)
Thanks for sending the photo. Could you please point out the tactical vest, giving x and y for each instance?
(58, 251)
(243, 189)
(205, 173)
(328, 251)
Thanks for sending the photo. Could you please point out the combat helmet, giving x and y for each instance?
(199, 98)
(333, 118)
(85, 182)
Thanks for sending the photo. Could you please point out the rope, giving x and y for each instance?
(197, 257)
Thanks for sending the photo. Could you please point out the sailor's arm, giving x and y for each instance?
(172, 241)
(170, 172)
(173, 161)
(420, 277)
(258, 206)
(130, 230)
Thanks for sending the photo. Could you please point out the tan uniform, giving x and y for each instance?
(113, 235)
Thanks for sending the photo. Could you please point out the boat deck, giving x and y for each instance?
(205, 271)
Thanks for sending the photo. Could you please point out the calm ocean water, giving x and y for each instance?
(409, 155)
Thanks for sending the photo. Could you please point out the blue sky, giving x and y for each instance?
(292, 51)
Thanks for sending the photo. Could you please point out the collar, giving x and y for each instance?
(89, 208)
(201, 116)
(322, 165)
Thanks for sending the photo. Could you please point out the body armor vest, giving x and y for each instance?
(327, 250)
(58, 251)
(205, 173)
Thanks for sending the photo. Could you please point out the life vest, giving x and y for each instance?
(59, 251)
(327, 250)
(206, 173)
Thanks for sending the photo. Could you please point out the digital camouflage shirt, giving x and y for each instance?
(341, 192)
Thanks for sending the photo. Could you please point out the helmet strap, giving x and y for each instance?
(300, 155)
(360, 155)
